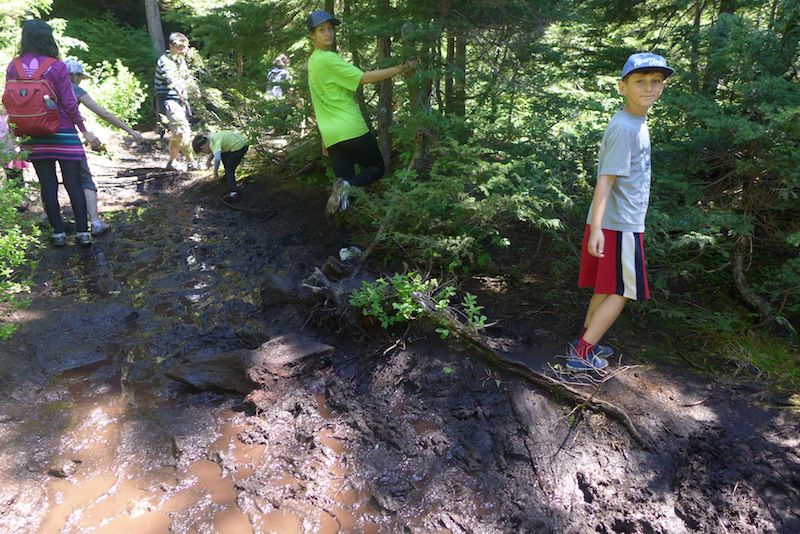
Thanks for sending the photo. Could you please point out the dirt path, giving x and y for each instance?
(410, 435)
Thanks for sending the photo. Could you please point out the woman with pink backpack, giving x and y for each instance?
(38, 66)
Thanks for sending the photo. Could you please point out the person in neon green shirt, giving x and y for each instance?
(228, 147)
(346, 138)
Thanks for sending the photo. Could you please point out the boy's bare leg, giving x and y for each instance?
(594, 303)
(91, 204)
(606, 311)
(174, 148)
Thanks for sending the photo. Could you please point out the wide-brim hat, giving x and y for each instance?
(320, 16)
(646, 61)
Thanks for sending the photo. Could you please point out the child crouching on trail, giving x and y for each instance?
(612, 256)
(225, 146)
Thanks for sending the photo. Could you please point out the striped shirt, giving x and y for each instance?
(172, 77)
(65, 144)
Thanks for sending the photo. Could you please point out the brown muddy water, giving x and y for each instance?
(95, 439)
(415, 435)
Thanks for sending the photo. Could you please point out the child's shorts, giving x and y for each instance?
(86, 177)
(622, 271)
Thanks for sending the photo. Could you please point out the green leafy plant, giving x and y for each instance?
(17, 239)
(117, 89)
(395, 300)
(406, 297)
(475, 319)
(17, 236)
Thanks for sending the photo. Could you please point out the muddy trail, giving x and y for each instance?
(343, 432)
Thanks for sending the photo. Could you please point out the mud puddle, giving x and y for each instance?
(95, 438)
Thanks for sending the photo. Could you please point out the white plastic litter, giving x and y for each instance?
(349, 253)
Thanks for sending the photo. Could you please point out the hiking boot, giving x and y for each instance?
(59, 240)
(603, 351)
(338, 200)
(593, 363)
(83, 239)
(233, 196)
(99, 228)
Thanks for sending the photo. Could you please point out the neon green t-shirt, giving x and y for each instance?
(226, 141)
(333, 83)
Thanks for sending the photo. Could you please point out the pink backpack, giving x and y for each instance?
(31, 103)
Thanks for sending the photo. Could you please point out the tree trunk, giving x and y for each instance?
(448, 74)
(695, 44)
(385, 91)
(330, 7)
(239, 65)
(420, 47)
(153, 15)
(354, 52)
(460, 76)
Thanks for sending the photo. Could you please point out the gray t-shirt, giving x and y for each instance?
(625, 153)
(78, 90)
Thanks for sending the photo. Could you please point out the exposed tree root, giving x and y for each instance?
(551, 384)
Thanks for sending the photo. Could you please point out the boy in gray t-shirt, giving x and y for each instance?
(612, 256)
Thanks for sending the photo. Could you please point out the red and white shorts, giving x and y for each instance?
(622, 271)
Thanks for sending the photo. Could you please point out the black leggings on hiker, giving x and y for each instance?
(231, 160)
(48, 182)
(362, 150)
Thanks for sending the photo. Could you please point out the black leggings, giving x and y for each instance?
(362, 150)
(48, 182)
(231, 160)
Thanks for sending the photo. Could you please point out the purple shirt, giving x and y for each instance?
(58, 76)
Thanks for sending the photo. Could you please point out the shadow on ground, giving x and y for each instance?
(401, 432)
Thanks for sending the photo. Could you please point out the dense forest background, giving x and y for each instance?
(493, 140)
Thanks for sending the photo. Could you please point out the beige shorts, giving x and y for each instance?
(176, 119)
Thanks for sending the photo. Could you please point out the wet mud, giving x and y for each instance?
(398, 432)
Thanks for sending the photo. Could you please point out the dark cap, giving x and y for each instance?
(318, 17)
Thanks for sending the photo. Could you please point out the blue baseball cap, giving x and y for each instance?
(646, 60)
(74, 67)
(319, 16)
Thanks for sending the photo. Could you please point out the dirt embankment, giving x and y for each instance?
(391, 435)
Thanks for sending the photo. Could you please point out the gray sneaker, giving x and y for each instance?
(338, 199)
(59, 240)
(83, 239)
(344, 197)
(99, 228)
